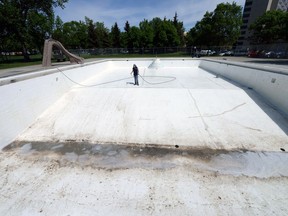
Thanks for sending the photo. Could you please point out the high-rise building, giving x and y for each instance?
(282, 5)
(252, 10)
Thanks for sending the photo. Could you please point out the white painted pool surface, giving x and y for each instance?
(194, 145)
(195, 109)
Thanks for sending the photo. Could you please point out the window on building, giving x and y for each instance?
(248, 3)
(247, 9)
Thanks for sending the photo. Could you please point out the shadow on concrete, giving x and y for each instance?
(277, 116)
(268, 61)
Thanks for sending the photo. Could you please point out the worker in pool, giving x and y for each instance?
(135, 72)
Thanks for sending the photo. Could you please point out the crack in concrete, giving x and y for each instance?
(220, 114)
(198, 110)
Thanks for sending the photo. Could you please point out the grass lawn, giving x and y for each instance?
(18, 61)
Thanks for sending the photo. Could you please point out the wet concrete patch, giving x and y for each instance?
(257, 164)
(130, 156)
(113, 149)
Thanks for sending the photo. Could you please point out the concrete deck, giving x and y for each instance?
(185, 142)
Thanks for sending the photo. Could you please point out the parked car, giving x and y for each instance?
(124, 51)
(256, 53)
(280, 54)
(207, 52)
(226, 53)
(253, 54)
(59, 56)
(204, 52)
(240, 53)
(212, 52)
(270, 54)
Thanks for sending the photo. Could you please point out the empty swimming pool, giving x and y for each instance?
(188, 139)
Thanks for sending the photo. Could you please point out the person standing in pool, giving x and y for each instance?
(135, 72)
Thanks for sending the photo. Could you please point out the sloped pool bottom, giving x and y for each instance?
(238, 162)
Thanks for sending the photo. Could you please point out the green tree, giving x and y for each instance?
(115, 36)
(218, 28)
(102, 35)
(127, 40)
(127, 27)
(75, 35)
(202, 33)
(92, 37)
(159, 36)
(97, 33)
(17, 20)
(172, 35)
(165, 33)
(58, 29)
(8, 40)
(227, 19)
(135, 37)
(180, 29)
(147, 34)
(270, 27)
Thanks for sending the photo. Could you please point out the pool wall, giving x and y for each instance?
(29, 95)
(270, 83)
(163, 63)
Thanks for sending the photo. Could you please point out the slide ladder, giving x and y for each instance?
(47, 53)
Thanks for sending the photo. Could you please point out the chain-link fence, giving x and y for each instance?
(261, 51)
(139, 51)
(279, 51)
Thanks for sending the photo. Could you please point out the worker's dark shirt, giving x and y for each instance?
(135, 71)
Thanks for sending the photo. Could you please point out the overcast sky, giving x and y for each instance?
(135, 11)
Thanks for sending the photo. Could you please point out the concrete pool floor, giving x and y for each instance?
(196, 109)
(194, 145)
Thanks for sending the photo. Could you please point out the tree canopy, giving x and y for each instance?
(115, 36)
(218, 28)
(27, 22)
(270, 27)
(157, 32)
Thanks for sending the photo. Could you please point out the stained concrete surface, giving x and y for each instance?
(194, 145)
(42, 183)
